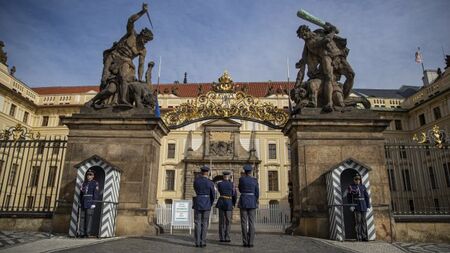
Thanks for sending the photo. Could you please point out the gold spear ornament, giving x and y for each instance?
(436, 137)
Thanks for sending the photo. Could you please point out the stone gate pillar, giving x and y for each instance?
(130, 140)
(319, 142)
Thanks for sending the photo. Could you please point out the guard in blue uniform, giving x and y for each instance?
(225, 204)
(202, 202)
(357, 194)
(248, 202)
(88, 193)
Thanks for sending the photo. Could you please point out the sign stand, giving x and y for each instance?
(181, 214)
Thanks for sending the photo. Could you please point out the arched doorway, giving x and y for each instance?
(100, 178)
(349, 223)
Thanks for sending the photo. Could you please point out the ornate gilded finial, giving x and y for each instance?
(225, 83)
(19, 132)
(436, 137)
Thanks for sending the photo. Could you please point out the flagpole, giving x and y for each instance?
(289, 85)
(421, 59)
(159, 70)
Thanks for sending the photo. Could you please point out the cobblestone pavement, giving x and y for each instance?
(423, 247)
(29, 242)
(11, 238)
(184, 244)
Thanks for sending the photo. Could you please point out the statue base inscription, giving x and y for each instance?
(319, 143)
(129, 140)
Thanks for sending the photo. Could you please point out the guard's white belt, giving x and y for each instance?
(247, 193)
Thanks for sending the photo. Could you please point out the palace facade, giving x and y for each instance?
(224, 144)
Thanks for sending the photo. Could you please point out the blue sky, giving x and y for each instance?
(60, 42)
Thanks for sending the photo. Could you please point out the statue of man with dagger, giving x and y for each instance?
(118, 70)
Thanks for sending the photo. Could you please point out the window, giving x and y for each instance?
(273, 181)
(272, 151)
(432, 178)
(44, 120)
(398, 124)
(392, 183)
(394, 207)
(411, 205)
(387, 153)
(171, 150)
(40, 148)
(12, 174)
(170, 180)
(30, 202)
(403, 152)
(51, 176)
(289, 151)
(12, 110)
(447, 173)
(406, 180)
(1, 167)
(34, 180)
(8, 200)
(56, 147)
(274, 202)
(422, 119)
(436, 205)
(437, 113)
(60, 122)
(47, 202)
(25, 117)
(168, 201)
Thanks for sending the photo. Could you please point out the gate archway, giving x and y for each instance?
(223, 102)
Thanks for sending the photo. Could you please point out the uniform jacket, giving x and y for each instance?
(204, 188)
(249, 189)
(228, 197)
(89, 193)
(357, 194)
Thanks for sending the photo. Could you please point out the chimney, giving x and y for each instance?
(185, 77)
(429, 75)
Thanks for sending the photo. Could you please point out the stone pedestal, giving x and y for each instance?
(321, 141)
(129, 140)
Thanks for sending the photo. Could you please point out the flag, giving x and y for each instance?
(157, 111)
(418, 56)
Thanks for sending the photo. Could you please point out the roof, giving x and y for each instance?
(257, 89)
(403, 92)
(64, 89)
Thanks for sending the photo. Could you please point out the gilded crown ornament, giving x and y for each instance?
(223, 102)
(225, 83)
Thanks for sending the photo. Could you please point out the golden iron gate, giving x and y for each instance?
(419, 178)
(30, 172)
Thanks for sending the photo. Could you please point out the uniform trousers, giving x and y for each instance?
(201, 222)
(86, 221)
(248, 225)
(224, 224)
(360, 225)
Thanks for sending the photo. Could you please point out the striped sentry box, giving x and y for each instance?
(110, 194)
(334, 197)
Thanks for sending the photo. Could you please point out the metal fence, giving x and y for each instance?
(269, 217)
(419, 178)
(30, 172)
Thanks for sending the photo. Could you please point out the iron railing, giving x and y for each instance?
(30, 173)
(419, 178)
